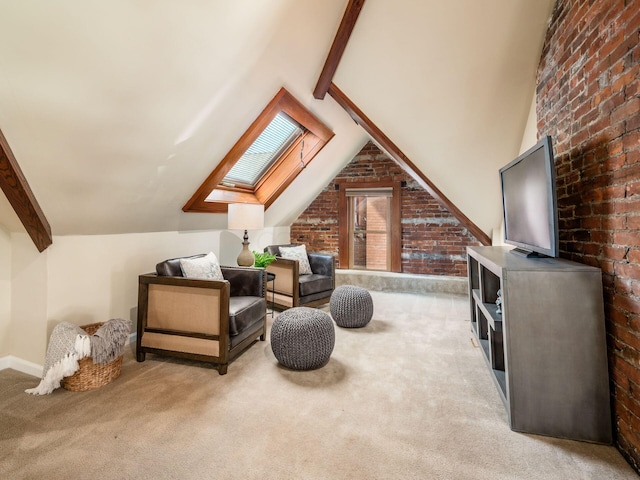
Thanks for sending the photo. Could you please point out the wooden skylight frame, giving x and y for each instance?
(213, 197)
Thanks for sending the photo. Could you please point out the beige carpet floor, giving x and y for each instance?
(407, 397)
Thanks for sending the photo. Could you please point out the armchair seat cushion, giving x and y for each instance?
(314, 283)
(245, 312)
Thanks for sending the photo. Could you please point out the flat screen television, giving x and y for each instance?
(529, 202)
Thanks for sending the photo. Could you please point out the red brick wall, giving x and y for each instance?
(589, 102)
(433, 241)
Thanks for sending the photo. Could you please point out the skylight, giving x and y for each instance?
(264, 161)
(266, 149)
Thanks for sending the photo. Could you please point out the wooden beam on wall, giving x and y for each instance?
(337, 48)
(17, 190)
(379, 137)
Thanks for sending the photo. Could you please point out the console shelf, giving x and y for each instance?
(547, 349)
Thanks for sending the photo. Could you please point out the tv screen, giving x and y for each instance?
(529, 201)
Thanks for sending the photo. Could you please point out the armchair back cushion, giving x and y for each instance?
(171, 267)
(241, 284)
(275, 249)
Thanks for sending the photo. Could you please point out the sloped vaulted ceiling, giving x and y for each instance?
(451, 84)
(116, 111)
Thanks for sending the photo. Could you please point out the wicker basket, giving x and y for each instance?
(91, 375)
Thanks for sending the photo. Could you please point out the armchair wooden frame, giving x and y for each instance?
(286, 287)
(200, 308)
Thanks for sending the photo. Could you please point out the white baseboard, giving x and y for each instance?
(30, 368)
(21, 365)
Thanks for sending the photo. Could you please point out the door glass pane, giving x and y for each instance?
(370, 234)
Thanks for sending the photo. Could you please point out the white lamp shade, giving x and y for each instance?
(245, 216)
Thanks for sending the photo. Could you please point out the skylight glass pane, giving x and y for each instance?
(264, 151)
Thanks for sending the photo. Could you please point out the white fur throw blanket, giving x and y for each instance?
(70, 343)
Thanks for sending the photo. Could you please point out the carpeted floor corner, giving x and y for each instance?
(407, 397)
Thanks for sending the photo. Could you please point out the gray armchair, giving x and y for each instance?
(290, 289)
(208, 320)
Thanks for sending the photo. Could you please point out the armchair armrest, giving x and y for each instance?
(183, 315)
(287, 272)
(286, 263)
(154, 278)
(246, 281)
(322, 264)
(197, 318)
(288, 284)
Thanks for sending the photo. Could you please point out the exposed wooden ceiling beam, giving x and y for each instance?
(17, 190)
(379, 137)
(337, 49)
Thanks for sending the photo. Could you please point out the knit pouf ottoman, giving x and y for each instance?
(302, 338)
(351, 306)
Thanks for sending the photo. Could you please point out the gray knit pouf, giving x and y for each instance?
(351, 306)
(302, 338)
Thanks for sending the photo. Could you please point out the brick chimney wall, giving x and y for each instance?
(588, 100)
(433, 241)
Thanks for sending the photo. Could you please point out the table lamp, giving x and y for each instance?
(245, 216)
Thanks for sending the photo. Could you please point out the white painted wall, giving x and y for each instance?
(530, 135)
(28, 332)
(87, 279)
(5, 291)
(446, 104)
(529, 139)
(448, 82)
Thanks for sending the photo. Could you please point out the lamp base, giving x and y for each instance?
(246, 258)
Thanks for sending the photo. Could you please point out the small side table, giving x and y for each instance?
(270, 278)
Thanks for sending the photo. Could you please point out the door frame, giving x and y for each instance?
(396, 219)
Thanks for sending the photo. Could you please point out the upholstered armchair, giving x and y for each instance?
(208, 320)
(291, 289)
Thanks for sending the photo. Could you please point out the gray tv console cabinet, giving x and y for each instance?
(547, 349)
